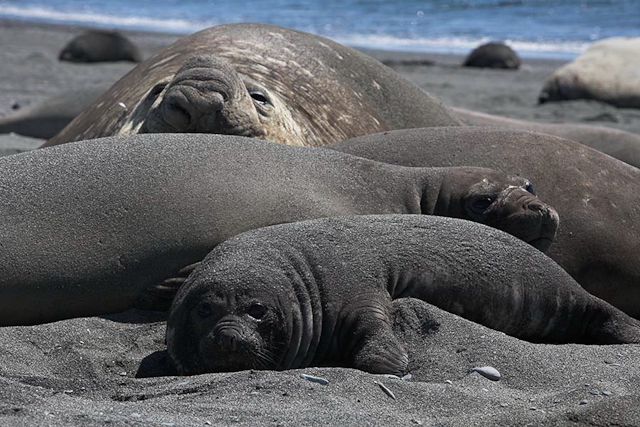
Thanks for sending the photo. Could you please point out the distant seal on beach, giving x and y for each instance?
(88, 226)
(45, 119)
(100, 46)
(617, 143)
(261, 81)
(595, 195)
(319, 292)
(493, 55)
(607, 71)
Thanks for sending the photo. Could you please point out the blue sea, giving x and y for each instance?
(535, 28)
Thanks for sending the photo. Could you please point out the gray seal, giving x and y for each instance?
(595, 195)
(260, 81)
(319, 292)
(617, 143)
(100, 46)
(88, 226)
(493, 55)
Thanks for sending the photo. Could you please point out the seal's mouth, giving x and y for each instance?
(541, 243)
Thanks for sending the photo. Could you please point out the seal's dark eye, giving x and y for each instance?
(257, 311)
(259, 97)
(529, 187)
(481, 203)
(205, 310)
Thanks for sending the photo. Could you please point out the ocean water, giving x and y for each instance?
(542, 28)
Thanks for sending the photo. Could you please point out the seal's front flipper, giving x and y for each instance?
(158, 297)
(381, 353)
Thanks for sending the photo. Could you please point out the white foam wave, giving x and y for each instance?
(463, 45)
(105, 20)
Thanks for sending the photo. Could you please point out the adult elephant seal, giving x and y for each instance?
(617, 143)
(88, 226)
(261, 81)
(100, 46)
(595, 195)
(493, 55)
(319, 292)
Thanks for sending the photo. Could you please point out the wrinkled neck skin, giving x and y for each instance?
(438, 197)
(305, 320)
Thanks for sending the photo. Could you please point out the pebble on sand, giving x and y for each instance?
(487, 372)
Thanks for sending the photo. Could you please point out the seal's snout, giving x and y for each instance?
(187, 108)
(227, 339)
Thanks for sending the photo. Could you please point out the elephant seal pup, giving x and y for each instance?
(319, 292)
(100, 46)
(88, 226)
(595, 195)
(47, 118)
(262, 81)
(617, 143)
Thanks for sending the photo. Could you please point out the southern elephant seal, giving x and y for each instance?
(617, 143)
(607, 71)
(47, 118)
(262, 81)
(100, 46)
(88, 226)
(493, 55)
(319, 292)
(595, 195)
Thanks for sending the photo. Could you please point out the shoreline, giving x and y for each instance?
(32, 73)
(167, 34)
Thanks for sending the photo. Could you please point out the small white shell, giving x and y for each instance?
(386, 390)
(314, 379)
(487, 372)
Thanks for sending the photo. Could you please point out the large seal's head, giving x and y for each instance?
(208, 95)
(231, 318)
(507, 203)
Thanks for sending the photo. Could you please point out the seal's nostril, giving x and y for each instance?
(227, 340)
(538, 207)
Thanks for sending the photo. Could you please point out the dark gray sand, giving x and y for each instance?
(83, 371)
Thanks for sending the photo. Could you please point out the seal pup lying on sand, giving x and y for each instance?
(88, 226)
(596, 195)
(261, 81)
(319, 292)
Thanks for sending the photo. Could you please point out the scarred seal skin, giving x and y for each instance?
(595, 195)
(88, 226)
(260, 81)
(319, 292)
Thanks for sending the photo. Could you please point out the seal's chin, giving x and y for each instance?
(541, 243)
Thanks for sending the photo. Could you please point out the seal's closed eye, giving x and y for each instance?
(480, 203)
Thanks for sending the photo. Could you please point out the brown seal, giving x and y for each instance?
(262, 81)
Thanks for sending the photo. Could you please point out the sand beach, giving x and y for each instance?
(114, 370)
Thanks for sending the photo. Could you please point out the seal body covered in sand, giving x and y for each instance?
(88, 226)
(261, 81)
(595, 195)
(319, 292)
(617, 143)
